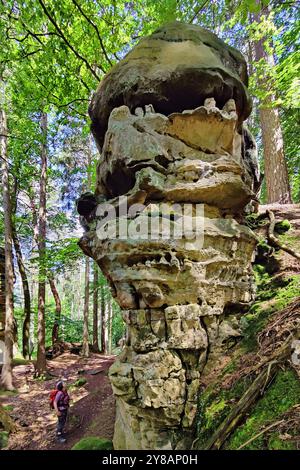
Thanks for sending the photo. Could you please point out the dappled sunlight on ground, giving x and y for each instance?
(92, 407)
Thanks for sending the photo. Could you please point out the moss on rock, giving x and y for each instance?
(93, 443)
(279, 398)
(214, 406)
(282, 226)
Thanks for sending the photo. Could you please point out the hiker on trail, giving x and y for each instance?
(61, 406)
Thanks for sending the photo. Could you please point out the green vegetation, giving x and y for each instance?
(80, 382)
(8, 408)
(8, 393)
(282, 226)
(279, 398)
(93, 443)
(272, 295)
(3, 439)
(213, 407)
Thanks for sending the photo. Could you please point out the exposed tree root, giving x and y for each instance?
(274, 240)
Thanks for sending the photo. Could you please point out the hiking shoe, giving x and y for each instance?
(61, 440)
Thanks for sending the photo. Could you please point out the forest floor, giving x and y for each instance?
(92, 410)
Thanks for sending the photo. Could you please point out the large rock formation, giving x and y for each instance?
(168, 120)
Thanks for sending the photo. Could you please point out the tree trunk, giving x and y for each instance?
(55, 329)
(85, 340)
(95, 309)
(26, 294)
(107, 325)
(6, 375)
(110, 315)
(41, 333)
(103, 321)
(276, 173)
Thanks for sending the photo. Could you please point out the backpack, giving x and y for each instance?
(65, 399)
(52, 396)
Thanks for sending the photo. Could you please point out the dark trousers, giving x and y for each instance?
(61, 421)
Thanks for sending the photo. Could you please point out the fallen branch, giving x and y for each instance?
(241, 408)
(274, 240)
(260, 433)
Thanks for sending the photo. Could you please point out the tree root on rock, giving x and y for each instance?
(274, 240)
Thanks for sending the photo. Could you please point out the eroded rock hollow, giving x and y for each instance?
(168, 120)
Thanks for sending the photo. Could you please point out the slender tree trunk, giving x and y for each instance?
(110, 327)
(85, 342)
(2, 294)
(107, 325)
(103, 321)
(26, 295)
(55, 329)
(35, 221)
(276, 173)
(25, 284)
(41, 333)
(95, 308)
(6, 375)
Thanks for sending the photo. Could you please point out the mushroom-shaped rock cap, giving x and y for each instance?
(174, 69)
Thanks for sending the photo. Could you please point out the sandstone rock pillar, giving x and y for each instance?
(177, 169)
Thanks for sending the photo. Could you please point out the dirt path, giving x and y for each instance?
(92, 411)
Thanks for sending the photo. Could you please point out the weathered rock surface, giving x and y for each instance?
(174, 69)
(176, 269)
(190, 157)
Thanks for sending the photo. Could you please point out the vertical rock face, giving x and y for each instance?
(177, 169)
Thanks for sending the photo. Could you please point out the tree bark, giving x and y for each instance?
(276, 173)
(103, 321)
(41, 351)
(108, 325)
(26, 295)
(85, 339)
(55, 329)
(6, 375)
(25, 285)
(95, 309)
